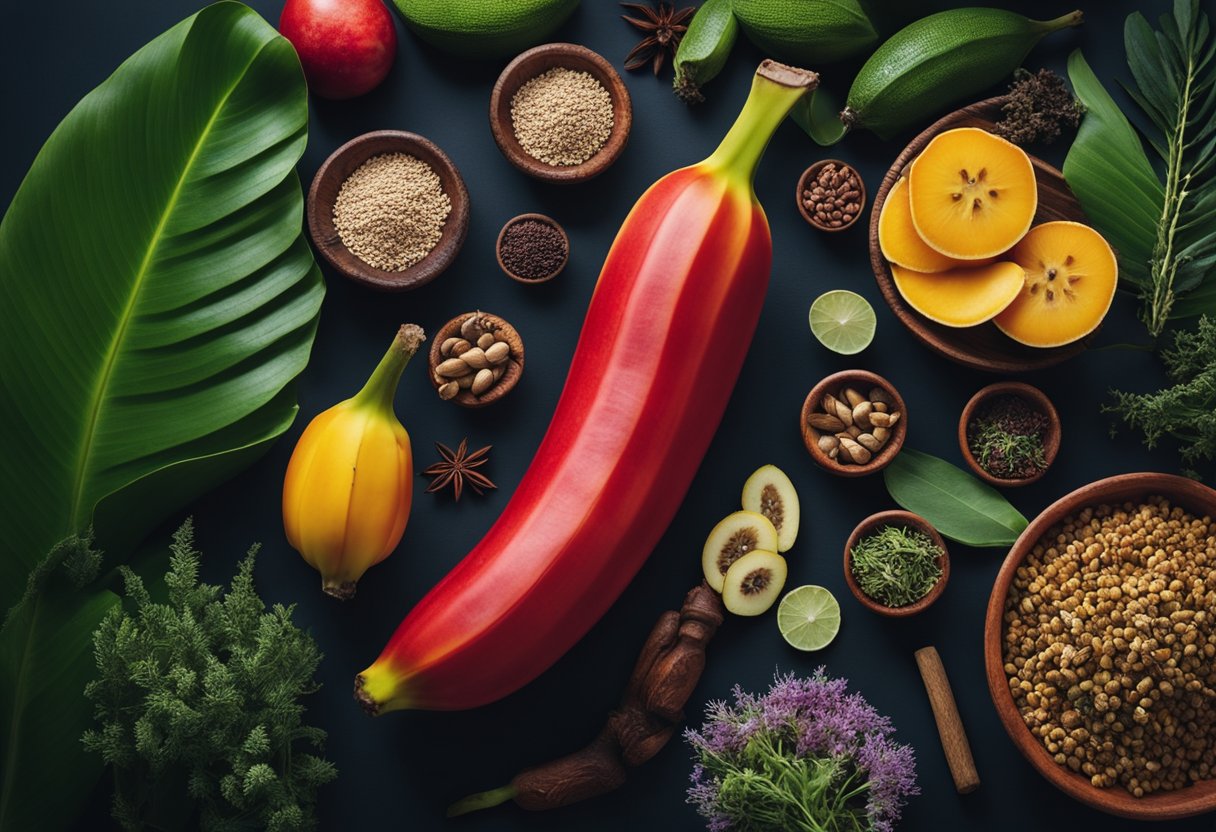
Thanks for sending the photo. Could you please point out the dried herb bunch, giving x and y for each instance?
(199, 705)
(1040, 106)
(1187, 409)
(664, 27)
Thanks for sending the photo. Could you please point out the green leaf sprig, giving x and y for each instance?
(955, 503)
(199, 705)
(1164, 228)
(896, 566)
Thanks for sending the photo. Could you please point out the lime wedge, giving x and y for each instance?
(843, 321)
(809, 617)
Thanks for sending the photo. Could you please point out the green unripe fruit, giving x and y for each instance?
(806, 32)
(706, 46)
(484, 28)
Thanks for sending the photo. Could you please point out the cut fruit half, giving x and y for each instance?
(754, 582)
(902, 245)
(733, 537)
(961, 297)
(809, 617)
(769, 492)
(1071, 275)
(843, 321)
(972, 194)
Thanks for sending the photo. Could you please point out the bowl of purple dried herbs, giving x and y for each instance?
(1009, 434)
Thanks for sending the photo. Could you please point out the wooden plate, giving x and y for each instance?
(982, 347)
(1159, 806)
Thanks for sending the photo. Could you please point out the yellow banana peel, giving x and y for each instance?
(349, 484)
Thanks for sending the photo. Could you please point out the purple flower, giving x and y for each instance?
(770, 761)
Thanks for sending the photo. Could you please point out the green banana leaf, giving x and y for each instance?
(159, 295)
(46, 658)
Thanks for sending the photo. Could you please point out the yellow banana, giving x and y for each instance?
(347, 493)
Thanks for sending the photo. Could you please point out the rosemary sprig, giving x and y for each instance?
(896, 566)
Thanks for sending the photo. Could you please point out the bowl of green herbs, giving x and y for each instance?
(896, 563)
(1009, 433)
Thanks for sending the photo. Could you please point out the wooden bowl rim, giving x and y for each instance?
(1051, 443)
(341, 164)
(510, 378)
(895, 517)
(810, 436)
(529, 281)
(941, 340)
(806, 215)
(1187, 802)
(572, 56)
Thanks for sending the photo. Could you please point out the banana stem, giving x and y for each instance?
(382, 386)
(481, 800)
(775, 90)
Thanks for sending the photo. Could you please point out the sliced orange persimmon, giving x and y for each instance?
(961, 297)
(972, 194)
(1071, 275)
(899, 242)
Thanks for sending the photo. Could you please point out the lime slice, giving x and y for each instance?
(809, 617)
(843, 321)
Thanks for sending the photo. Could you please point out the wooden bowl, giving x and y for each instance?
(341, 164)
(863, 380)
(808, 176)
(896, 518)
(539, 218)
(510, 378)
(541, 59)
(982, 347)
(1038, 399)
(1161, 806)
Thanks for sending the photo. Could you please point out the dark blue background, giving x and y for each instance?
(400, 771)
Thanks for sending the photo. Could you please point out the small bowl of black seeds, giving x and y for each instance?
(532, 248)
(1009, 433)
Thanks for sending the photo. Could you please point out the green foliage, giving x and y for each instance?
(896, 566)
(1163, 230)
(1187, 409)
(200, 699)
(163, 296)
(957, 504)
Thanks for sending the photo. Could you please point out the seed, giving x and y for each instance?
(880, 407)
(822, 421)
(476, 358)
(453, 368)
(483, 381)
(485, 340)
(498, 352)
(562, 117)
(858, 454)
(465, 381)
(861, 414)
(498, 371)
(853, 397)
(446, 348)
(449, 390)
(827, 444)
(853, 431)
(870, 442)
(532, 249)
(881, 434)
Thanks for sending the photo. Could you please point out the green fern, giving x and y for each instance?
(198, 704)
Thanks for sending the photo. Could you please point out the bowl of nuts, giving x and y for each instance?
(476, 359)
(853, 423)
(830, 195)
(1100, 646)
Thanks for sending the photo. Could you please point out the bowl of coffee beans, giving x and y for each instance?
(830, 195)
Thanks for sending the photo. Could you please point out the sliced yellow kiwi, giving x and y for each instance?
(769, 492)
(735, 536)
(754, 582)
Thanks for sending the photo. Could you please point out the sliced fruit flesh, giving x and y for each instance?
(735, 535)
(769, 492)
(754, 582)
(901, 243)
(809, 617)
(843, 321)
(972, 194)
(961, 297)
(1071, 276)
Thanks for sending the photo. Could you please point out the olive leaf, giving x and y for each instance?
(1164, 229)
(955, 503)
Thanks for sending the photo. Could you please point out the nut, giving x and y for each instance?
(853, 397)
(476, 358)
(824, 422)
(465, 381)
(884, 420)
(453, 368)
(853, 431)
(449, 390)
(498, 352)
(485, 340)
(446, 349)
(880, 407)
(858, 454)
(870, 442)
(877, 394)
(881, 434)
(483, 381)
(827, 444)
(861, 414)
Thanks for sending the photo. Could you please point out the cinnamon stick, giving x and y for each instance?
(949, 723)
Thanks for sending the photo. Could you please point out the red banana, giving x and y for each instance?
(664, 339)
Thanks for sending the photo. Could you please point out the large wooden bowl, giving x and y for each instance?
(541, 59)
(1160, 806)
(346, 160)
(982, 347)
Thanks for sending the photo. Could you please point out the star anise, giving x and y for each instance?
(664, 27)
(455, 468)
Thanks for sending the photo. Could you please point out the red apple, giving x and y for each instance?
(346, 46)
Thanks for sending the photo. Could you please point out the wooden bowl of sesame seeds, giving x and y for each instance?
(385, 172)
(572, 131)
